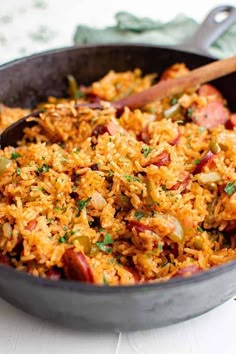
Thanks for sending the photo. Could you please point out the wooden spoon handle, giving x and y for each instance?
(172, 87)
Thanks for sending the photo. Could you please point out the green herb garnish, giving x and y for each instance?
(103, 246)
(18, 171)
(197, 161)
(146, 151)
(43, 168)
(132, 178)
(63, 238)
(108, 239)
(190, 112)
(15, 155)
(160, 247)
(83, 203)
(201, 130)
(163, 187)
(173, 101)
(230, 188)
(138, 215)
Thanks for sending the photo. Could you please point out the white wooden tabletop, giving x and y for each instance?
(28, 26)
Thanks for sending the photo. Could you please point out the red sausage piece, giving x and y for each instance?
(76, 267)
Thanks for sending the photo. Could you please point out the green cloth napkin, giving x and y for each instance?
(132, 29)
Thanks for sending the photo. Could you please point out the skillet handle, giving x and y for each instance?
(210, 30)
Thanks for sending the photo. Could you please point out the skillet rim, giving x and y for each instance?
(101, 289)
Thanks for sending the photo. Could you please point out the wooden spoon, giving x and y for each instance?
(172, 87)
(160, 90)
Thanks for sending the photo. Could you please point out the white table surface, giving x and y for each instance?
(213, 333)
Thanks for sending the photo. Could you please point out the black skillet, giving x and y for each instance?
(29, 81)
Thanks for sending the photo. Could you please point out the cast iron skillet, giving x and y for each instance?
(28, 81)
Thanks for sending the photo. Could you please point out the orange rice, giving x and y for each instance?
(129, 201)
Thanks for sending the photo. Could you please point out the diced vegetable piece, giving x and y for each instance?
(214, 147)
(187, 271)
(73, 89)
(203, 162)
(208, 178)
(172, 111)
(76, 267)
(160, 160)
(4, 164)
(198, 242)
(210, 116)
(97, 201)
(123, 202)
(178, 234)
(84, 241)
(94, 250)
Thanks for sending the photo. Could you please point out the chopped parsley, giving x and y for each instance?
(103, 246)
(83, 203)
(18, 171)
(138, 215)
(146, 151)
(63, 238)
(163, 187)
(15, 155)
(132, 178)
(160, 247)
(173, 101)
(108, 239)
(190, 112)
(230, 188)
(197, 161)
(201, 130)
(43, 168)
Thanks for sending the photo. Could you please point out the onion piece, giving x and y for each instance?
(97, 201)
(178, 234)
(208, 178)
